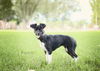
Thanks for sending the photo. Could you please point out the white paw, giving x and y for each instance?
(75, 59)
(31, 70)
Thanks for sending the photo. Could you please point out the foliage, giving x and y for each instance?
(6, 11)
(95, 4)
(24, 9)
(57, 9)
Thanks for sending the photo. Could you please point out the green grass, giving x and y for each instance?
(20, 51)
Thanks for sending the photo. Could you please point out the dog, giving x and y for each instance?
(52, 42)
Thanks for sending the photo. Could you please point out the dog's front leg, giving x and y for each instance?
(48, 58)
(47, 53)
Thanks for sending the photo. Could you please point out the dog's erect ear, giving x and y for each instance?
(42, 25)
(33, 26)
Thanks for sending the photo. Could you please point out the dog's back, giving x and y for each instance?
(56, 41)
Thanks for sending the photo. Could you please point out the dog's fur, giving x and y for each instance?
(52, 42)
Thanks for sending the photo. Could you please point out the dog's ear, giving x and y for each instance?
(33, 25)
(42, 25)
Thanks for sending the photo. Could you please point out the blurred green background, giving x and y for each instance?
(67, 14)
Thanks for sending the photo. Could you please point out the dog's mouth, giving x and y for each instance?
(39, 33)
(37, 36)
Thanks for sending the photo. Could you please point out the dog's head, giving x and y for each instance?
(38, 29)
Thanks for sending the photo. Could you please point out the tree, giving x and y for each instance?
(6, 11)
(28, 9)
(57, 9)
(24, 9)
(95, 4)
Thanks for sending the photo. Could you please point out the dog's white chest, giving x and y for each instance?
(43, 46)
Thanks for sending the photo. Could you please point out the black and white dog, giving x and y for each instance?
(52, 42)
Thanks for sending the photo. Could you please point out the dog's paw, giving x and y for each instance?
(31, 70)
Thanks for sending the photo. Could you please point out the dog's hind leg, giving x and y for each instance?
(71, 52)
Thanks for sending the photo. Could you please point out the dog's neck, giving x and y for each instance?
(41, 38)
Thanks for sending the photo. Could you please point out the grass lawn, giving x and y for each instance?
(20, 51)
